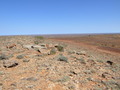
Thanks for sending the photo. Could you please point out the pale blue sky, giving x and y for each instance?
(20, 17)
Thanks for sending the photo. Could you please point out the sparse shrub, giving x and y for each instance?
(60, 48)
(1, 73)
(62, 58)
(39, 37)
(3, 56)
(52, 51)
(114, 69)
(111, 84)
(81, 60)
(64, 79)
(26, 60)
(71, 52)
(20, 57)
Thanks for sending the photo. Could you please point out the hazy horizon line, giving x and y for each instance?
(60, 34)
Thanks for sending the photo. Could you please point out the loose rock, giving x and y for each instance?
(10, 63)
(81, 53)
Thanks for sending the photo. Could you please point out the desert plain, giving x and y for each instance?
(60, 62)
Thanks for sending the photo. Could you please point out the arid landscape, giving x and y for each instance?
(60, 62)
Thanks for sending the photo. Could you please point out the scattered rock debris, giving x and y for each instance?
(27, 63)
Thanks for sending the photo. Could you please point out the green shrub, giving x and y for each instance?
(3, 56)
(81, 60)
(62, 58)
(1, 73)
(64, 79)
(52, 51)
(20, 57)
(60, 48)
(39, 37)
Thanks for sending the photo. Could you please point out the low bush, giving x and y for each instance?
(39, 37)
(3, 56)
(60, 48)
(62, 58)
(20, 57)
(64, 79)
(52, 51)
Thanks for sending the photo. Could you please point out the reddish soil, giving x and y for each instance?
(105, 43)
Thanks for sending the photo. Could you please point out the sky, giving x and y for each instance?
(24, 17)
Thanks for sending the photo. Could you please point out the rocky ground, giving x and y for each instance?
(34, 63)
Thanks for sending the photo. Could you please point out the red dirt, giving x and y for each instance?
(90, 46)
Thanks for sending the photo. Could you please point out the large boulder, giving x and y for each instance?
(29, 47)
(36, 47)
(41, 48)
(10, 63)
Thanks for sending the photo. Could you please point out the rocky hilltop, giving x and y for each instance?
(37, 63)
